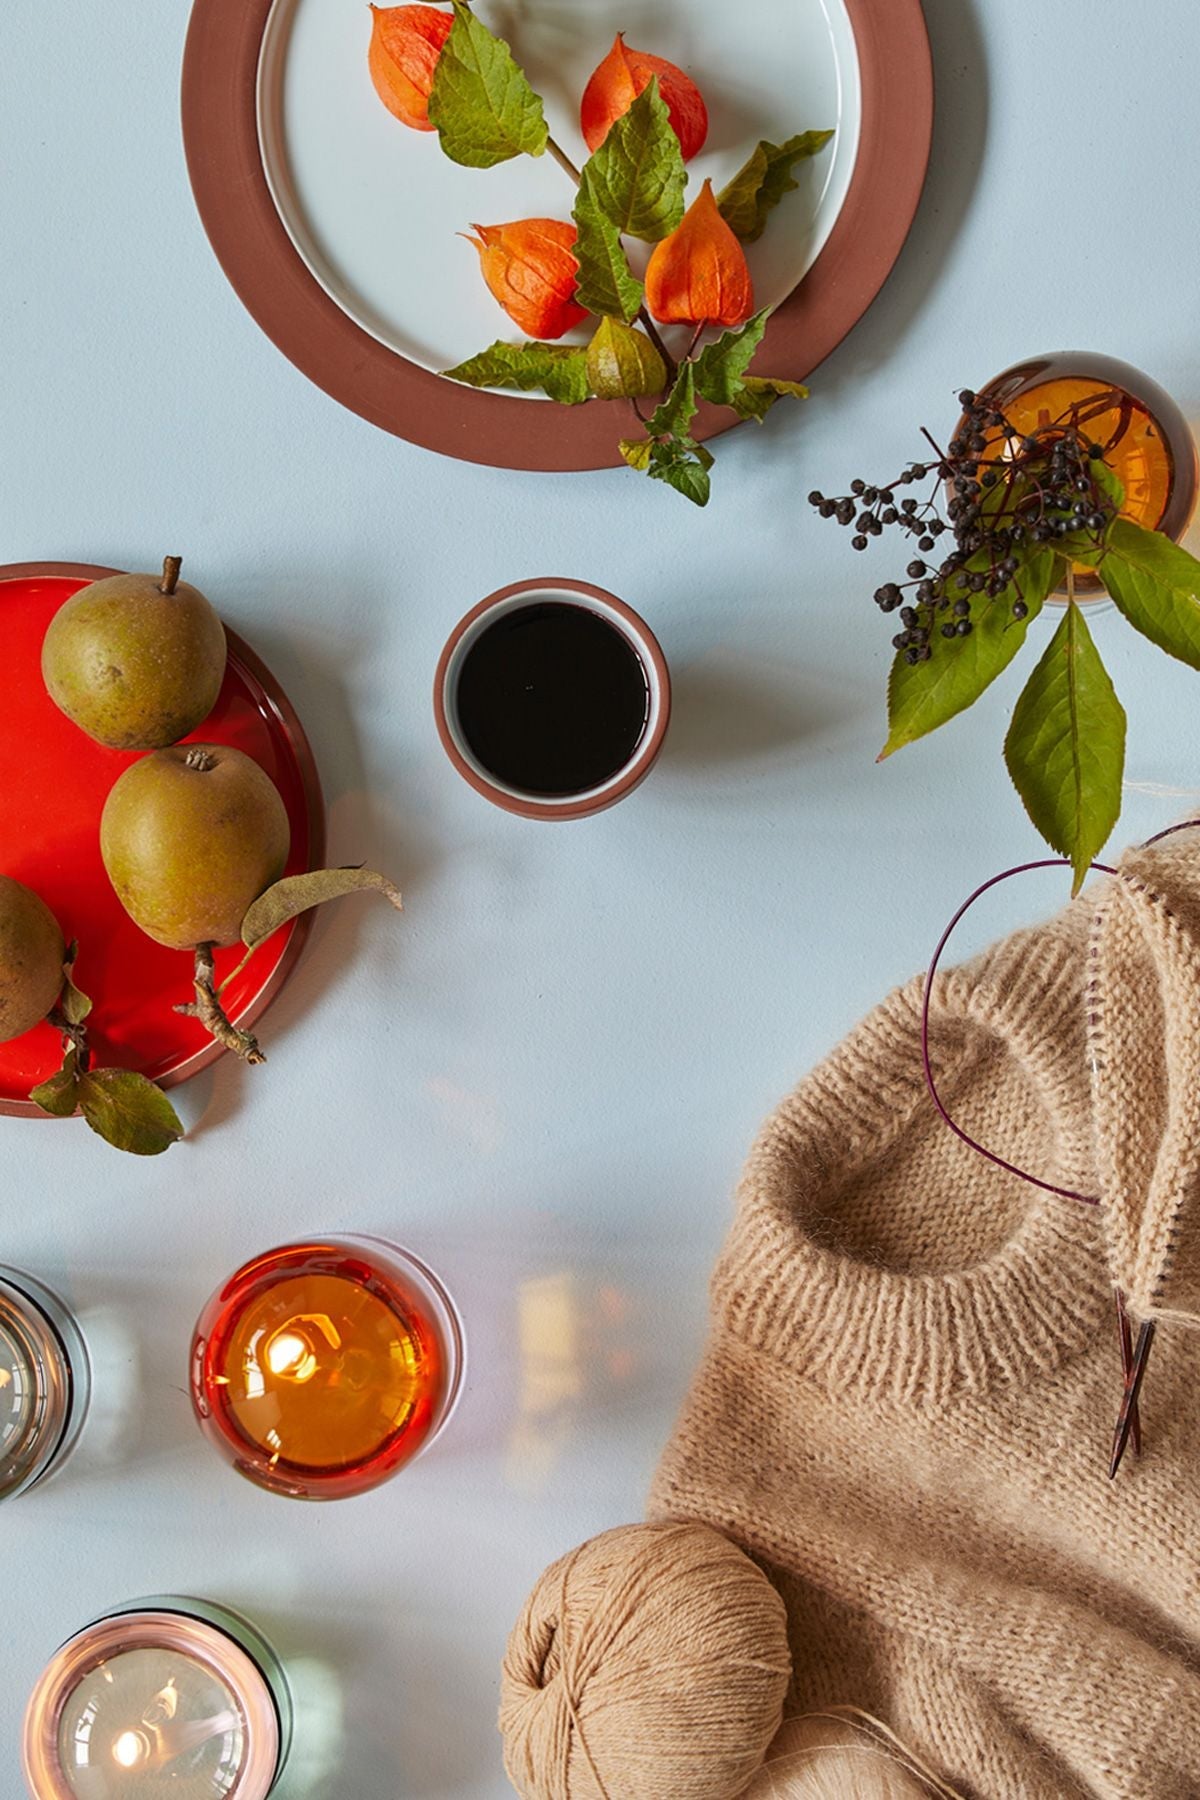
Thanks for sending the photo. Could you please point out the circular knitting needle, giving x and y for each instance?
(1133, 1388)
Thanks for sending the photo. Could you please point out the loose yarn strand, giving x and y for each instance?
(568, 1684)
(833, 1760)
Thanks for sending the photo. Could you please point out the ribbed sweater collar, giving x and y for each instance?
(922, 1338)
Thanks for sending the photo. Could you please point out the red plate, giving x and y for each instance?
(53, 786)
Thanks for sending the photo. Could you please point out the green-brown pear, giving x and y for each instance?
(190, 837)
(32, 952)
(136, 661)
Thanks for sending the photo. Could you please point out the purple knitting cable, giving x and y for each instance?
(1133, 1362)
(1051, 862)
(1004, 875)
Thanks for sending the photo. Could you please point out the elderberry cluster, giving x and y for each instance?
(1002, 495)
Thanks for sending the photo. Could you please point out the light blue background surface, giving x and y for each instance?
(547, 1072)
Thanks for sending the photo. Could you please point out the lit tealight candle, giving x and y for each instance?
(174, 1696)
(44, 1382)
(321, 1368)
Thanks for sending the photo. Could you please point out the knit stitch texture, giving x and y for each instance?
(906, 1406)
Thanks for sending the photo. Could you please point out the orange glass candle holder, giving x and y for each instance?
(321, 1368)
(1145, 438)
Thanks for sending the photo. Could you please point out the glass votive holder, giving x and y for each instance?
(45, 1382)
(172, 1696)
(1144, 435)
(321, 1368)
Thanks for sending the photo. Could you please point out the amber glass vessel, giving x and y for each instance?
(1145, 437)
(323, 1367)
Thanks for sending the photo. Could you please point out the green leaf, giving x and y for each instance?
(688, 475)
(295, 894)
(622, 363)
(677, 411)
(559, 369)
(636, 178)
(60, 1095)
(1156, 584)
(637, 452)
(1065, 747)
(758, 394)
(481, 102)
(604, 283)
(72, 1002)
(128, 1111)
(683, 464)
(721, 365)
(763, 180)
(1108, 481)
(924, 695)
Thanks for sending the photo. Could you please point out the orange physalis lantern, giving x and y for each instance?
(699, 274)
(406, 42)
(619, 80)
(530, 266)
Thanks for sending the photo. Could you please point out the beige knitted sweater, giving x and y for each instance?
(906, 1407)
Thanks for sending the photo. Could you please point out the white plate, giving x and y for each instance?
(373, 207)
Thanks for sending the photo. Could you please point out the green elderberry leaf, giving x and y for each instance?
(295, 894)
(604, 283)
(721, 365)
(481, 103)
(72, 1002)
(677, 411)
(1108, 482)
(560, 370)
(60, 1095)
(636, 178)
(758, 394)
(637, 452)
(128, 1111)
(924, 695)
(1156, 584)
(763, 180)
(622, 364)
(1065, 748)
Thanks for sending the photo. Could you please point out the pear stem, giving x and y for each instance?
(74, 1038)
(212, 1015)
(171, 568)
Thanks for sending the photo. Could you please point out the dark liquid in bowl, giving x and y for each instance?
(552, 699)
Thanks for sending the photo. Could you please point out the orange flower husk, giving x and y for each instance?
(699, 275)
(618, 81)
(406, 42)
(530, 266)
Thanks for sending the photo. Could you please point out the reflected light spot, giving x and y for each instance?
(130, 1749)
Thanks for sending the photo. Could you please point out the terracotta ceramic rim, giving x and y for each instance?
(220, 132)
(219, 1653)
(595, 800)
(289, 724)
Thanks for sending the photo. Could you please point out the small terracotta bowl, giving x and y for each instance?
(568, 593)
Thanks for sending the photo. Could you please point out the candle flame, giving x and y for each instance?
(130, 1749)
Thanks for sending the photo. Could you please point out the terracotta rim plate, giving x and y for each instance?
(49, 838)
(232, 45)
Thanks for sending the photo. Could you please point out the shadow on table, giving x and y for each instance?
(959, 139)
(732, 708)
(364, 1727)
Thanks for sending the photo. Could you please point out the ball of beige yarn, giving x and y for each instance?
(650, 1663)
(824, 1758)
